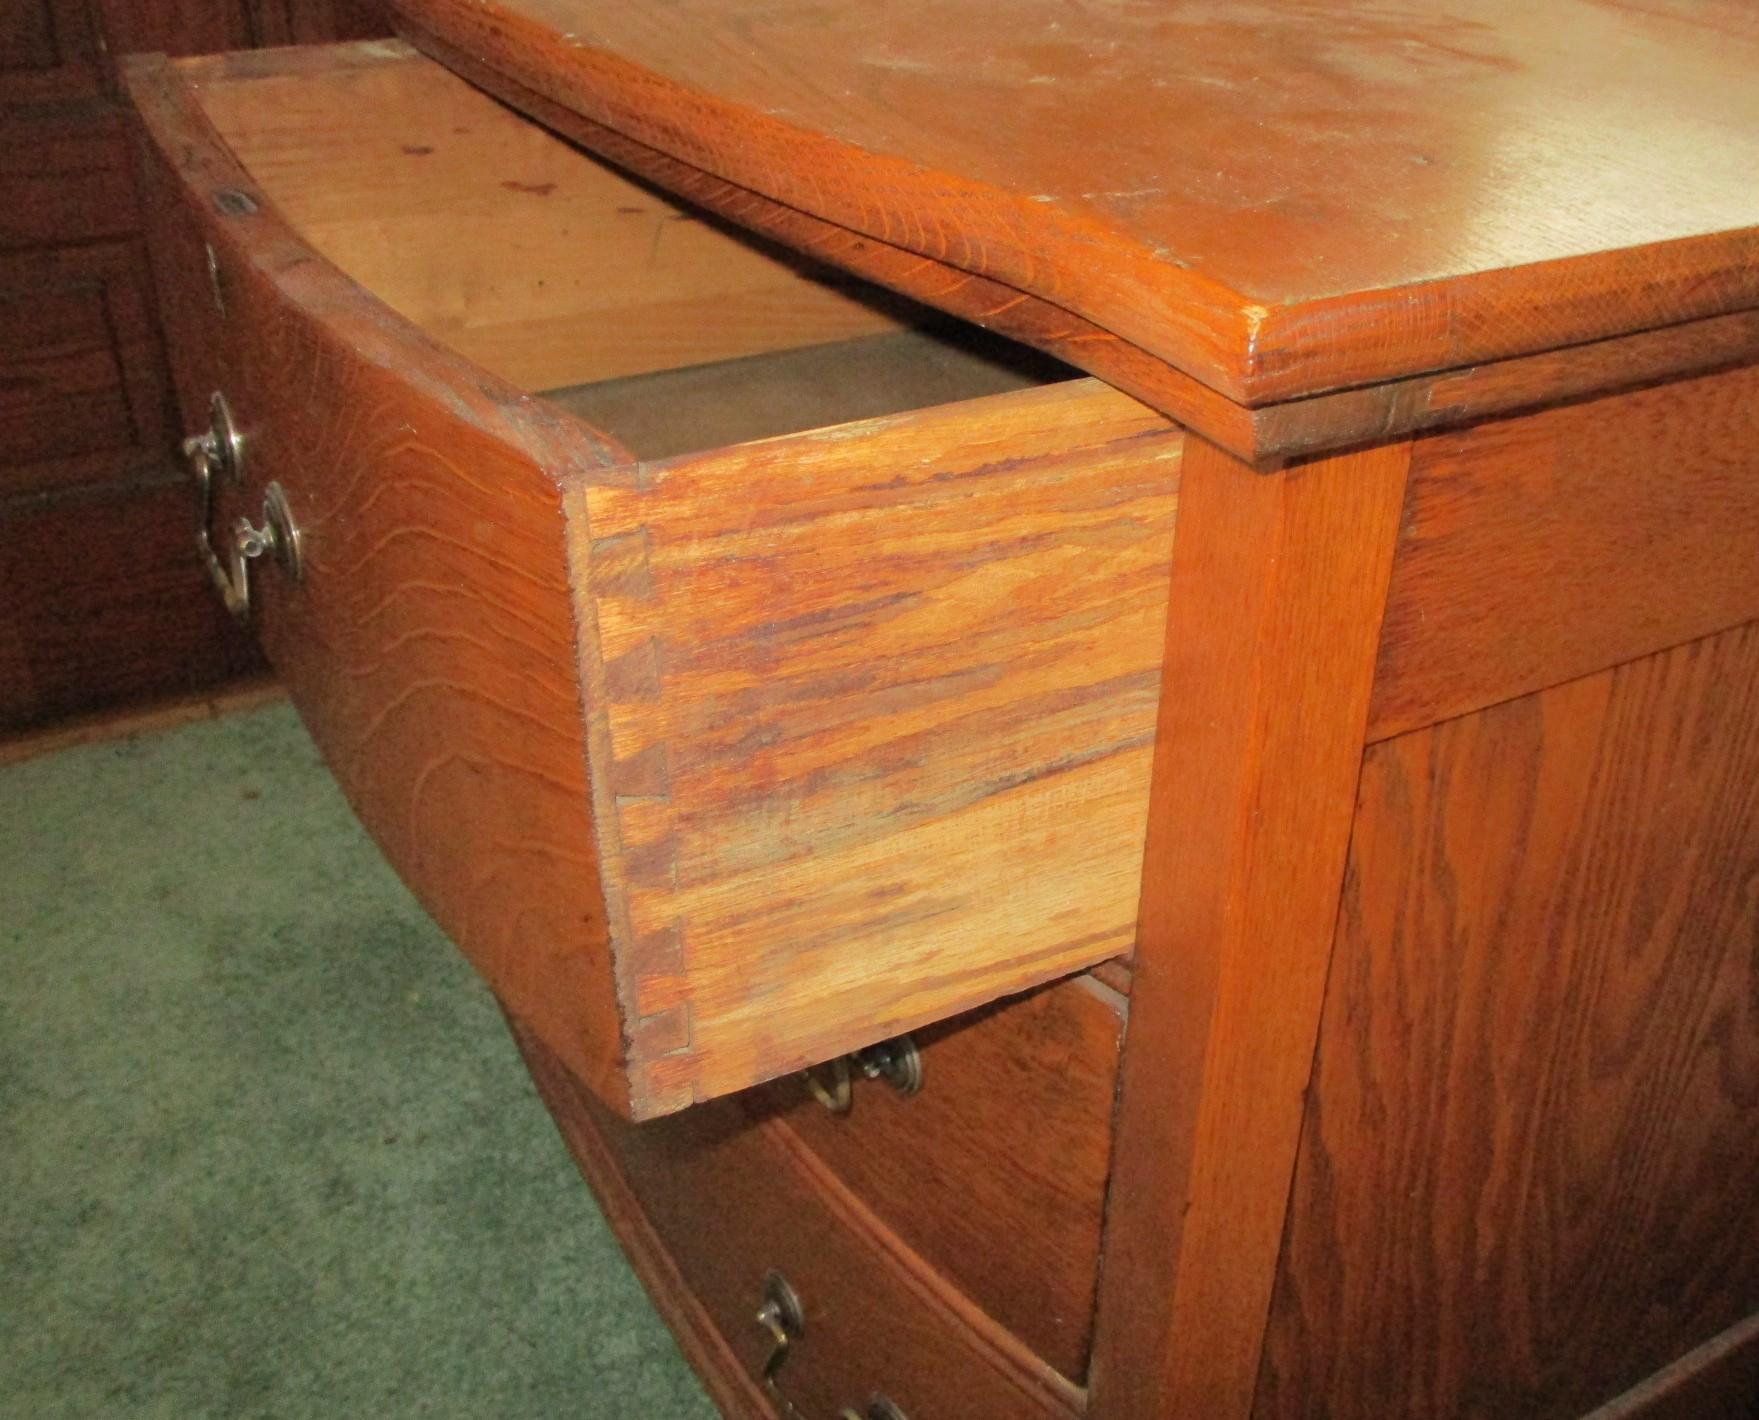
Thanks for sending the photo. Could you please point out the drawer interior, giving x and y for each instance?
(656, 322)
(876, 623)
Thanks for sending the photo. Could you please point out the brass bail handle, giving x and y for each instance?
(896, 1061)
(219, 454)
(782, 1317)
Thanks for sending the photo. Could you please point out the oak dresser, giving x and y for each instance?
(1087, 674)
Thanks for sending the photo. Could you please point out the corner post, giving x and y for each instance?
(1279, 581)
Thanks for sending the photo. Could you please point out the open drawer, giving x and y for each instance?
(740, 664)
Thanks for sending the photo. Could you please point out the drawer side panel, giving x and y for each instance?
(880, 702)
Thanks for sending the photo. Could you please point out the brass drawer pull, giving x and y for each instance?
(781, 1316)
(219, 454)
(897, 1061)
(878, 1408)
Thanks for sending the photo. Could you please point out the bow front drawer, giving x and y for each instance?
(741, 666)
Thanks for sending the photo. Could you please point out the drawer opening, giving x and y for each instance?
(656, 322)
(831, 719)
(668, 412)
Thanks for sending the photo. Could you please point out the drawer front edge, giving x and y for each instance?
(429, 641)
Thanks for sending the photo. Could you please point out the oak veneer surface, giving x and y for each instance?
(1536, 550)
(1278, 583)
(1276, 200)
(1526, 1177)
(798, 706)
(995, 1172)
(429, 645)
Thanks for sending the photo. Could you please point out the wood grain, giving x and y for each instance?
(1540, 549)
(1276, 204)
(183, 27)
(1538, 1079)
(82, 374)
(851, 680)
(804, 702)
(995, 1173)
(512, 248)
(101, 604)
(584, 1128)
(1262, 434)
(430, 646)
(1278, 583)
(48, 52)
(733, 1198)
(64, 176)
(1716, 1381)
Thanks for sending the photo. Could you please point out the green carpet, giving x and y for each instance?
(266, 1148)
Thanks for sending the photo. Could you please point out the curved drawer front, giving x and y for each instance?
(717, 765)
(740, 1205)
(994, 1166)
(428, 641)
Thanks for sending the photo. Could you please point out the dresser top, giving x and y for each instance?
(1275, 198)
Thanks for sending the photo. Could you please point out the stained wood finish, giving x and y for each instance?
(285, 22)
(1537, 550)
(731, 1198)
(995, 1172)
(1297, 426)
(1278, 584)
(582, 1124)
(1360, 247)
(430, 646)
(516, 251)
(1538, 1078)
(82, 380)
(1717, 1381)
(48, 51)
(917, 652)
(64, 177)
(862, 668)
(182, 27)
(85, 442)
(100, 602)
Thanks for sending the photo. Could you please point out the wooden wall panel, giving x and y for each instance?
(82, 393)
(1536, 550)
(100, 601)
(84, 398)
(1538, 1074)
(47, 51)
(65, 176)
